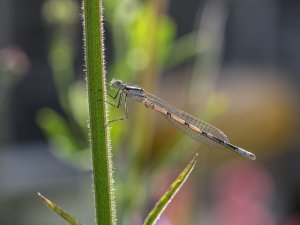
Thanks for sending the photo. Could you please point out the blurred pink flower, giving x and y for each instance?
(242, 180)
(13, 60)
(241, 192)
(293, 220)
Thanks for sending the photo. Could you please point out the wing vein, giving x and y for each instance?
(189, 119)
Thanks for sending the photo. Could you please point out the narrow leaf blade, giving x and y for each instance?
(165, 200)
(59, 211)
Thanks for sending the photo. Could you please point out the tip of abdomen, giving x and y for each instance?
(248, 155)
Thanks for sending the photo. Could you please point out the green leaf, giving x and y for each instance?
(59, 211)
(182, 50)
(147, 33)
(168, 196)
(58, 132)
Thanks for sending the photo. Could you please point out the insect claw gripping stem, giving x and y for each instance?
(122, 117)
(113, 97)
(112, 104)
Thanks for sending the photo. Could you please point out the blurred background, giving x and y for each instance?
(232, 63)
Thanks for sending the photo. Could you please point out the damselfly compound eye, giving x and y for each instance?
(116, 84)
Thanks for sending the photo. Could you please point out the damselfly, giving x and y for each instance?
(190, 125)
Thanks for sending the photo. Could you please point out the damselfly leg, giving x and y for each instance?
(120, 96)
(126, 109)
(113, 97)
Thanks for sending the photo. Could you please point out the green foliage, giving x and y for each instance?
(169, 195)
(67, 134)
(59, 211)
(63, 139)
(57, 131)
(144, 45)
(141, 43)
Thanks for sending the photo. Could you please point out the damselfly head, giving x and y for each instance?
(117, 84)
